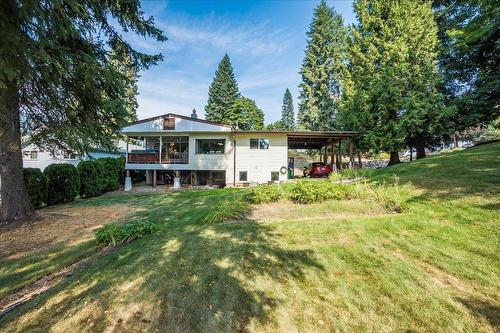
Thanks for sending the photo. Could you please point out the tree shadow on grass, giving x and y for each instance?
(481, 308)
(187, 277)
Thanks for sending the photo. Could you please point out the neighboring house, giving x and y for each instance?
(35, 157)
(200, 152)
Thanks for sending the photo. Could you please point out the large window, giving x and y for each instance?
(175, 150)
(210, 146)
(260, 143)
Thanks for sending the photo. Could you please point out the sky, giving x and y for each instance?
(265, 41)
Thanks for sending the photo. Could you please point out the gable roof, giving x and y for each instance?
(175, 115)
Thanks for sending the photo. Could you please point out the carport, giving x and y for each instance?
(327, 142)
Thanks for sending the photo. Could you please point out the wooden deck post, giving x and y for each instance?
(154, 178)
(126, 150)
(159, 158)
(351, 158)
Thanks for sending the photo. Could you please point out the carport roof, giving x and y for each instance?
(309, 139)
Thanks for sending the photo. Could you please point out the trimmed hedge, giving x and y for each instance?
(112, 168)
(91, 178)
(36, 184)
(63, 183)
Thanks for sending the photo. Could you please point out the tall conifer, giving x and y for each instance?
(391, 93)
(322, 69)
(222, 93)
(287, 114)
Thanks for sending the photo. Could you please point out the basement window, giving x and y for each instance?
(275, 176)
(243, 176)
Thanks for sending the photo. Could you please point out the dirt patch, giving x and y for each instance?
(71, 225)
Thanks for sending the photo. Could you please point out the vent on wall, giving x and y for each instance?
(169, 123)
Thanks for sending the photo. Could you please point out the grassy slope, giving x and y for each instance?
(434, 268)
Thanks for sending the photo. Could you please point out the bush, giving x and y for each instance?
(63, 183)
(112, 168)
(264, 193)
(388, 197)
(91, 178)
(111, 234)
(311, 191)
(227, 210)
(36, 184)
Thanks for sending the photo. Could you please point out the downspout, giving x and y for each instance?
(234, 160)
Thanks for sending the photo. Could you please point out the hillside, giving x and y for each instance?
(327, 267)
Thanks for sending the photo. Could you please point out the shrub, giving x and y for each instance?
(388, 197)
(91, 178)
(227, 210)
(264, 193)
(63, 183)
(311, 191)
(112, 168)
(36, 183)
(111, 234)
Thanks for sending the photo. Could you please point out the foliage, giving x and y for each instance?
(350, 174)
(470, 59)
(92, 180)
(245, 115)
(230, 209)
(62, 82)
(322, 69)
(36, 183)
(391, 93)
(222, 93)
(63, 183)
(112, 169)
(306, 191)
(112, 234)
(388, 196)
(287, 114)
(276, 126)
(264, 194)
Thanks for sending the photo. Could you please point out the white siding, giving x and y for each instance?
(259, 163)
(181, 125)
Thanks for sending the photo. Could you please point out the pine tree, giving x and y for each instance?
(287, 114)
(245, 115)
(57, 81)
(391, 93)
(322, 69)
(222, 93)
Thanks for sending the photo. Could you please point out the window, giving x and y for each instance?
(210, 146)
(243, 176)
(30, 154)
(275, 175)
(169, 123)
(175, 149)
(259, 143)
(69, 156)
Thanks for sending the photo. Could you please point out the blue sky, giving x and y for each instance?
(264, 39)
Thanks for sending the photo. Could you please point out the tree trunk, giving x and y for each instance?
(455, 139)
(394, 159)
(359, 160)
(411, 153)
(420, 146)
(15, 203)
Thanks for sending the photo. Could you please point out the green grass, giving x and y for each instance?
(332, 267)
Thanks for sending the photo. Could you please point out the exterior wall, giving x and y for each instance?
(259, 163)
(198, 161)
(181, 125)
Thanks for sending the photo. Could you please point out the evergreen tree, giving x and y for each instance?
(222, 93)
(287, 114)
(391, 93)
(245, 115)
(58, 83)
(469, 32)
(322, 69)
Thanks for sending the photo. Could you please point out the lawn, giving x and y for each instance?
(336, 266)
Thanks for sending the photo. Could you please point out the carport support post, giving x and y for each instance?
(339, 160)
(351, 158)
(326, 155)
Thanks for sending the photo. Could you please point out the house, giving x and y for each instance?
(180, 149)
(37, 157)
